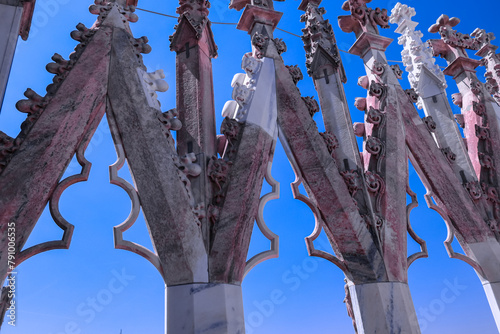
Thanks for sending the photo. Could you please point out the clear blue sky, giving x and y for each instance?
(56, 289)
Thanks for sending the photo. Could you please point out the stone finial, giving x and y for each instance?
(491, 61)
(453, 43)
(153, 82)
(401, 13)
(195, 11)
(240, 4)
(322, 53)
(416, 55)
(363, 18)
(192, 23)
(104, 7)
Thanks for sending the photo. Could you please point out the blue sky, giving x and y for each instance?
(93, 288)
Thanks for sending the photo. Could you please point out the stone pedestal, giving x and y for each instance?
(385, 307)
(205, 308)
(10, 20)
(492, 291)
(487, 255)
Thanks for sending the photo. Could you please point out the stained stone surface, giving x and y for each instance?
(10, 19)
(205, 308)
(385, 307)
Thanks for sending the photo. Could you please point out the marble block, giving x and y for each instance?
(385, 307)
(205, 308)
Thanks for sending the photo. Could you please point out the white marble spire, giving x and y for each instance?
(416, 55)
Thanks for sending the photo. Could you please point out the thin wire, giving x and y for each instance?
(233, 24)
(150, 11)
(291, 33)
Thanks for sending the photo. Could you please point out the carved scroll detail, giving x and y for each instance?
(423, 245)
(318, 222)
(261, 223)
(118, 231)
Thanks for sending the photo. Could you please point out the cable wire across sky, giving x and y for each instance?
(234, 24)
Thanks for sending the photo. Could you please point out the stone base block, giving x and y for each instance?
(205, 308)
(384, 308)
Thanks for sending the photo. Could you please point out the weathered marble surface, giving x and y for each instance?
(10, 20)
(385, 307)
(205, 309)
(492, 291)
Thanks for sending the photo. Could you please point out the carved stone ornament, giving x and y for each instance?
(398, 72)
(153, 82)
(482, 133)
(374, 182)
(412, 95)
(103, 7)
(218, 170)
(448, 153)
(331, 142)
(363, 18)
(474, 189)
(260, 42)
(82, 33)
(170, 121)
(374, 146)
(378, 90)
(280, 45)
(296, 73)
(250, 65)
(478, 108)
(353, 181)
(490, 192)
(378, 68)
(451, 37)
(491, 61)
(374, 116)
(457, 99)
(416, 54)
(242, 94)
(429, 122)
(360, 103)
(8, 146)
(318, 37)
(187, 167)
(460, 120)
(141, 45)
(230, 128)
(195, 12)
(486, 161)
(312, 105)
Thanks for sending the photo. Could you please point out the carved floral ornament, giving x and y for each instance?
(103, 7)
(218, 170)
(353, 181)
(331, 142)
(312, 105)
(295, 72)
(260, 42)
(363, 18)
(317, 34)
(455, 39)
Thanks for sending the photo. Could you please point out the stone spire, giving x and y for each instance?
(194, 14)
(322, 53)
(194, 44)
(491, 60)
(481, 128)
(16, 21)
(416, 54)
(363, 18)
(482, 132)
(428, 81)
